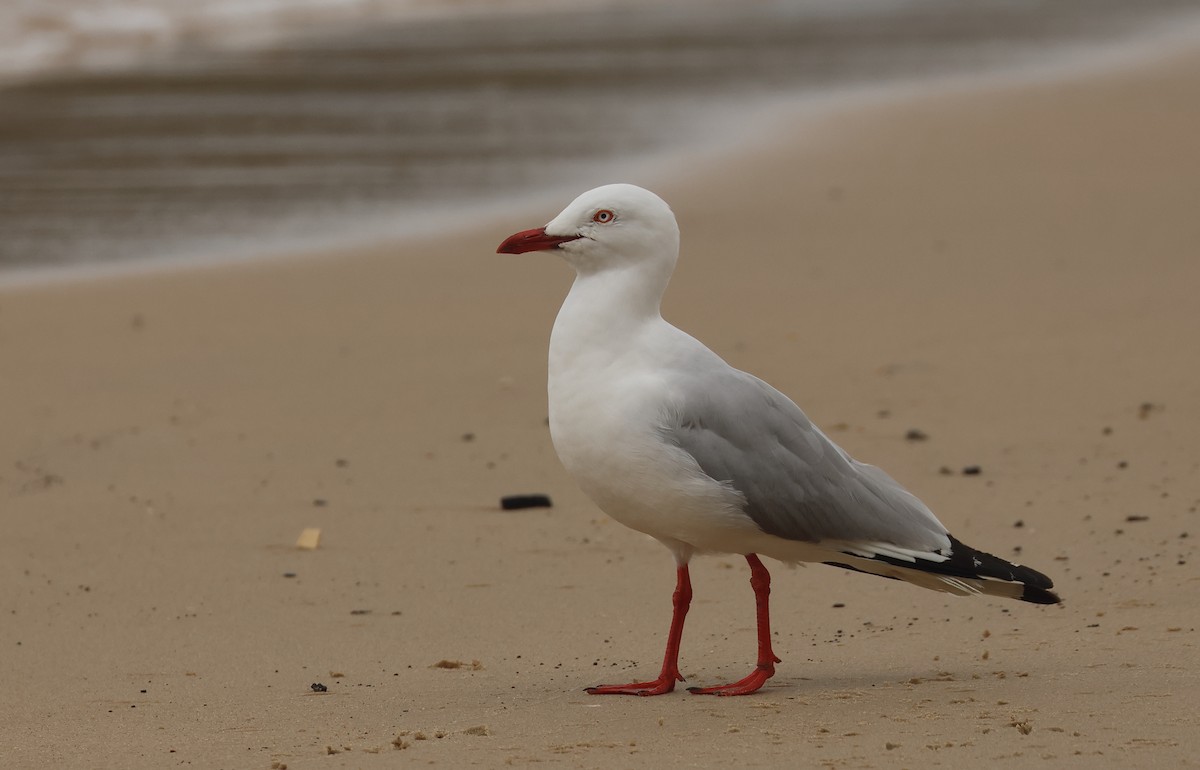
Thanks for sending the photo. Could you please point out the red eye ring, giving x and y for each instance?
(603, 216)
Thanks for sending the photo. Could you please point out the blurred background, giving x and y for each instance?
(169, 129)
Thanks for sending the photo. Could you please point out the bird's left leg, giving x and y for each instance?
(760, 581)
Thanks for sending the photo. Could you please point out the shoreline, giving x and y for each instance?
(728, 135)
(1011, 271)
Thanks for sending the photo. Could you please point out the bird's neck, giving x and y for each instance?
(616, 299)
(605, 310)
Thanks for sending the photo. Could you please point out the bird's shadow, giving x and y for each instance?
(879, 680)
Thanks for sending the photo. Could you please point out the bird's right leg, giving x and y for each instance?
(680, 601)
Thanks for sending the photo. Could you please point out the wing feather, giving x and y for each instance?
(797, 484)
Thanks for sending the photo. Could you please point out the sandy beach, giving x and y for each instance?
(1011, 271)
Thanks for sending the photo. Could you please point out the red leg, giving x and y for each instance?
(665, 683)
(760, 581)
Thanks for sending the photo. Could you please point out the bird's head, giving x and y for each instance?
(615, 226)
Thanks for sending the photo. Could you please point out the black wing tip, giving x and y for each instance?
(972, 560)
(963, 561)
(1028, 577)
(1034, 594)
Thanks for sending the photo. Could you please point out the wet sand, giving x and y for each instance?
(1010, 271)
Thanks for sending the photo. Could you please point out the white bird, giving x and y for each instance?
(670, 440)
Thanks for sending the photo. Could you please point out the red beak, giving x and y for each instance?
(532, 240)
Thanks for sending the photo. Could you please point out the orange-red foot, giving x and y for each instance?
(752, 683)
(660, 686)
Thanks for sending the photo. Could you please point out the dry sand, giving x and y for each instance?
(1012, 271)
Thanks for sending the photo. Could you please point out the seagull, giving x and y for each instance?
(670, 440)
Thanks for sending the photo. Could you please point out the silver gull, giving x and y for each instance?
(670, 440)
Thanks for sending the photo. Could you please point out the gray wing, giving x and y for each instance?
(797, 484)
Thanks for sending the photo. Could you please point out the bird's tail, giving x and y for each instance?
(960, 570)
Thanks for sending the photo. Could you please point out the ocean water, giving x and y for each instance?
(143, 130)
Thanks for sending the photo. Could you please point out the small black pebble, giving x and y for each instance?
(360, 612)
(141, 690)
(289, 574)
(972, 470)
(915, 434)
(838, 605)
(318, 687)
(1123, 464)
(1137, 517)
(513, 502)
(1018, 523)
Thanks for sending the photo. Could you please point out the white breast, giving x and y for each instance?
(606, 408)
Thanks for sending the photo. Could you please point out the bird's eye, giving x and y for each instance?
(603, 216)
